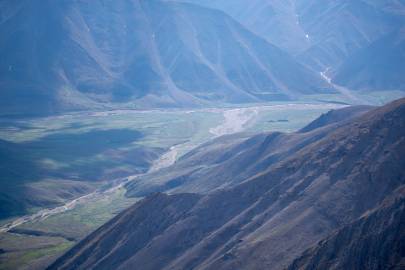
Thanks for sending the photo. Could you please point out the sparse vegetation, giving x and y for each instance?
(159, 130)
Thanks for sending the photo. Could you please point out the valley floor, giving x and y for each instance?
(38, 238)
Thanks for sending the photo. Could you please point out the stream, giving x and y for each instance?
(235, 120)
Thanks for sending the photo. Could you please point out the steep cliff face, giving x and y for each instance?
(271, 218)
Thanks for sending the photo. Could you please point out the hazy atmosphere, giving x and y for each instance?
(202, 134)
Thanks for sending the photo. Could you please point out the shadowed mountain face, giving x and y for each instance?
(375, 241)
(66, 55)
(268, 220)
(148, 220)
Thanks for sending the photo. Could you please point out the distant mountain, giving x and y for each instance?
(320, 33)
(269, 219)
(358, 43)
(69, 55)
(275, 20)
(28, 179)
(378, 66)
(337, 29)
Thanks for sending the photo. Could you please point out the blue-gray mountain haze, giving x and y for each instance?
(106, 104)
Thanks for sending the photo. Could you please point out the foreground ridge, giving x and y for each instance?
(270, 219)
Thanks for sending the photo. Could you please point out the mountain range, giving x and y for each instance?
(80, 55)
(75, 55)
(342, 190)
(358, 43)
(378, 66)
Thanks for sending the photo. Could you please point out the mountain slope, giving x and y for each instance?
(229, 160)
(321, 34)
(271, 218)
(269, 19)
(337, 29)
(336, 116)
(376, 241)
(70, 55)
(379, 66)
(357, 43)
(150, 218)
